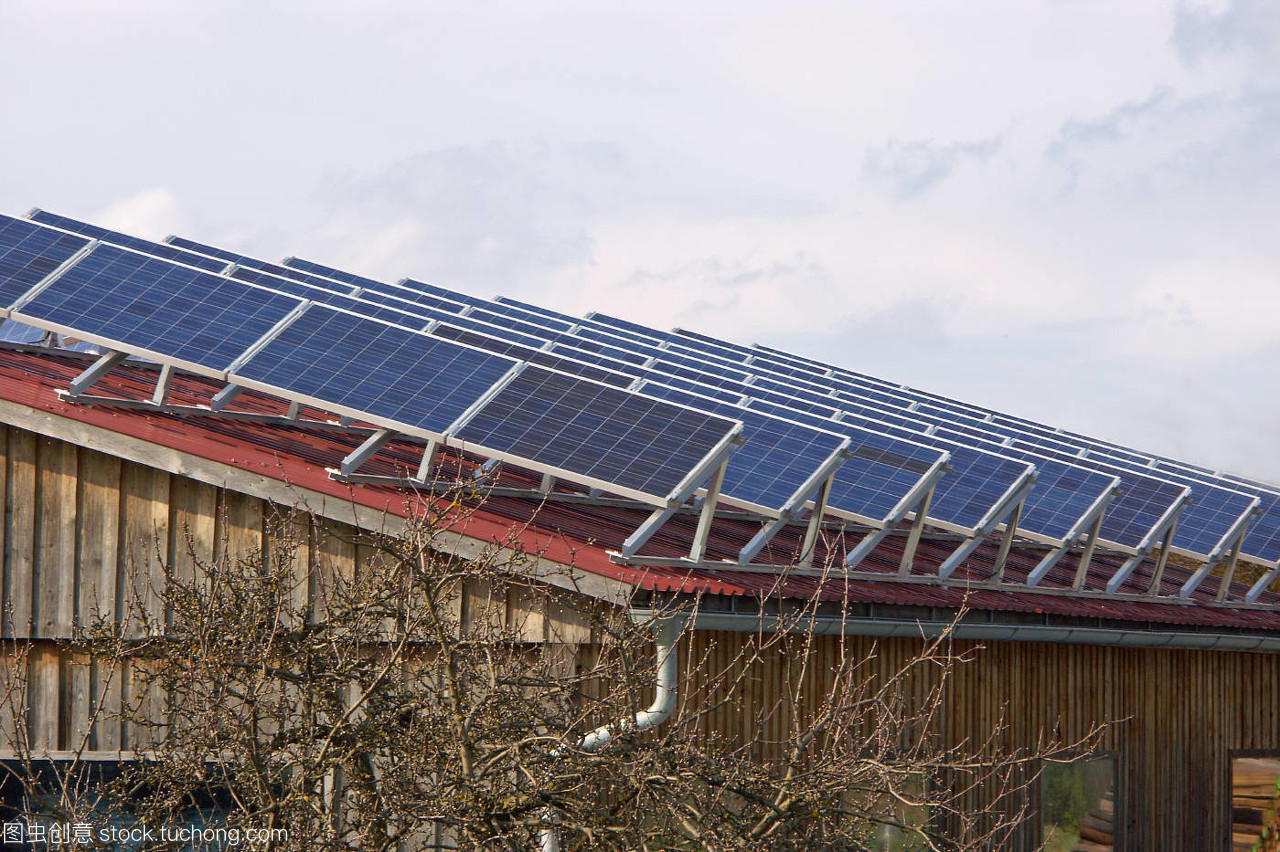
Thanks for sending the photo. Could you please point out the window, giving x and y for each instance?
(1077, 804)
(1255, 802)
(47, 804)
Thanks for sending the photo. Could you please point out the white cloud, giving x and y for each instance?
(153, 213)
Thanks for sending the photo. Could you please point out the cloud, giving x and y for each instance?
(912, 167)
(483, 215)
(1250, 28)
(751, 292)
(152, 213)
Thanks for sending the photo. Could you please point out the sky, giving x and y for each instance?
(1065, 210)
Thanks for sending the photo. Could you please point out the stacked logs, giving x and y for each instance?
(1255, 817)
(1097, 830)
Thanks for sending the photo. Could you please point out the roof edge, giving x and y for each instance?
(327, 506)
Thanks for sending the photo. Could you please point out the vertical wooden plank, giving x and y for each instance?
(192, 526)
(144, 504)
(335, 562)
(54, 580)
(6, 522)
(20, 545)
(78, 702)
(526, 613)
(14, 682)
(98, 529)
(44, 708)
(106, 691)
(243, 531)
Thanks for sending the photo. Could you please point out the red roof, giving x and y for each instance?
(583, 534)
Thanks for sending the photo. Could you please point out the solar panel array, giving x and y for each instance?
(613, 403)
(217, 325)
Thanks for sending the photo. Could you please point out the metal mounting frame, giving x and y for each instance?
(918, 498)
(107, 362)
(795, 503)
(1091, 520)
(717, 458)
(1158, 534)
(1228, 548)
(1011, 502)
(43, 283)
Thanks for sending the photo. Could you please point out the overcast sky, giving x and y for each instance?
(1064, 210)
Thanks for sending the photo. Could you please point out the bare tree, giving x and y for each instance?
(418, 700)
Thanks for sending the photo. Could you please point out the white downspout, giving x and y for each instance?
(665, 638)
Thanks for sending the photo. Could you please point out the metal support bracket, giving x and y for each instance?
(699, 547)
(1259, 587)
(105, 364)
(794, 504)
(1228, 548)
(161, 396)
(365, 451)
(917, 498)
(223, 398)
(913, 538)
(815, 523)
(1008, 504)
(424, 466)
(1090, 520)
(1006, 541)
(718, 456)
(1086, 555)
(1162, 559)
(1169, 518)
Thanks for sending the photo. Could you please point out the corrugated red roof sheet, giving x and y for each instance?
(582, 534)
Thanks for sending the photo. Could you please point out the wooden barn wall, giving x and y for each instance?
(75, 519)
(1177, 714)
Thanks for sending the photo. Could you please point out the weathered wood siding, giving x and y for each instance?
(75, 520)
(1178, 715)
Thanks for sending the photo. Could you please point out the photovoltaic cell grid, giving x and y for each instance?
(353, 362)
(164, 250)
(367, 366)
(596, 431)
(153, 305)
(317, 282)
(778, 456)
(1063, 493)
(765, 473)
(780, 365)
(1059, 501)
(879, 474)
(28, 253)
(963, 498)
(533, 356)
(1201, 526)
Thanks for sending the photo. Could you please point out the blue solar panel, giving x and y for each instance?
(1061, 496)
(553, 319)
(367, 366)
(322, 271)
(596, 431)
(253, 264)
(779, 455)
(443, 293)
(1201, 526)
(614, 350)
(28, 253)
(533, 356)
(150, 304)
(115, 238)
(1142, 502)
